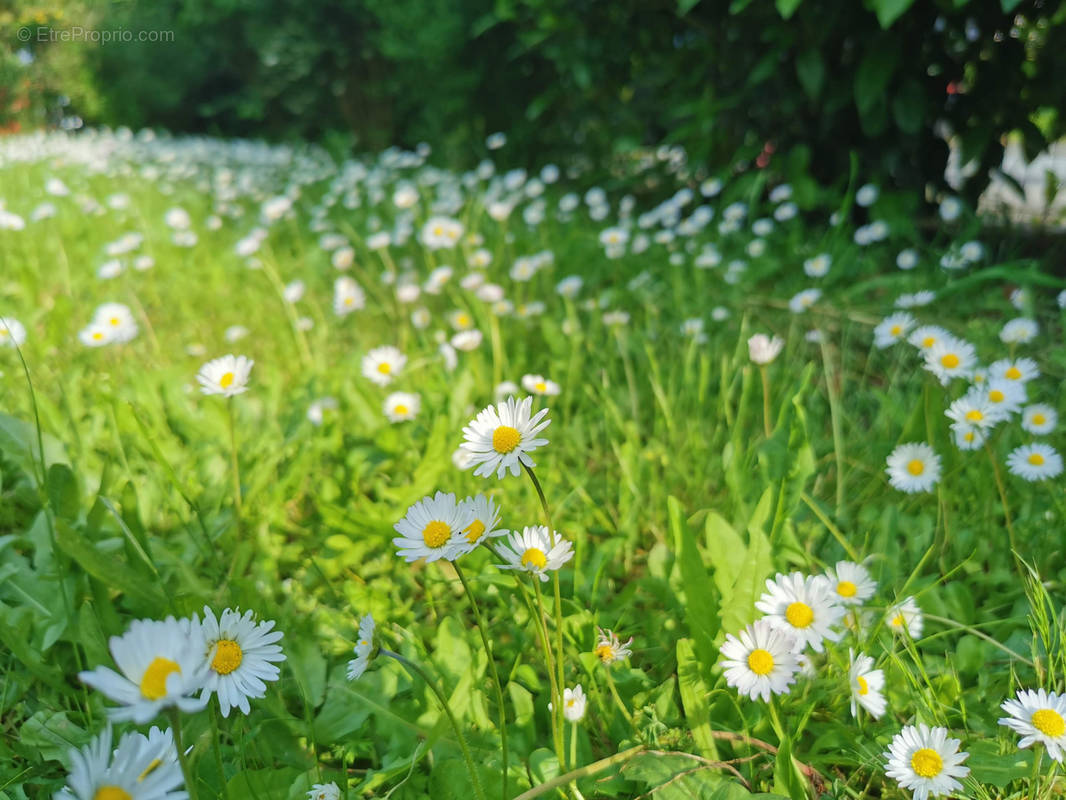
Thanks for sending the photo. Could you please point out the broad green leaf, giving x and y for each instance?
(786, 8)
(874, 72)
(52, 735)
(888, 11)
(988, 766)
(63, 494)
(810, 69)
(909, 106)
(694, 694)
(684, 6)
(701, 603)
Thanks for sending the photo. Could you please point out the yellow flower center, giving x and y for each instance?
(605, 653)
(226, 380)
(97, 336)
(400, 409)
(1049, 722)
(898, 621)
(864, 687)
(896, 330)
(1035, 459)
(541, 386)
(438, 231)
(950, 360)
(927, 763)
(973, 415)
(505, 439)
(760, 661)
(474, 530)
(384, 368)
(536, 557)
(928, 341)
(148, 770)
(462, 320)
(996, 396)
(968, 436)
(348, 301)
(915, 467)
(1013, 373)
(846, 589)
(1039, 419)
(114, 322)
(228, 657)
(112, 793)
(154, 680)
(799, 615)
(436, 533)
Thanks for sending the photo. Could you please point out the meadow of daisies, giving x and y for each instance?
(350, 479)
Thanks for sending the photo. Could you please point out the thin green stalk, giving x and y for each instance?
(556, 688)
(218, 751)
(175, 724)
(415, 668)
(834, 419)
(765, 400)
(492, 669)
(630, 379)
(234, 464)
(617, 699)
(586, 771)
(573, 743)
(1006, 510)
(833, 529)
(980, 635)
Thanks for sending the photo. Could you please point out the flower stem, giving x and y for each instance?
(594, 768)
(175, 723)
(218, 752)
(420, 672)
(573, 744)
(556, 689)
(618, 700)
(765, 400)
(234, 465)
(492, 669)
(1006, 509)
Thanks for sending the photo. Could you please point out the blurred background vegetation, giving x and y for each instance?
(817, 80)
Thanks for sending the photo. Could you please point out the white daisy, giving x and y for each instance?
(609, 648)
(913, 467)
(432, 528)
(968, 437)
(319, 409)
(818, 266)
(922, 298)
(927, 335)
(801, 301)
(140, 768)
(906, 617)
(460, 320)
(484, 517)
(1019, 369)
(401, 406)
(501, 437)
(851, 583)
(324, 791)
(538, 384)
(907, 259)
(1034, 462)
(364, 648)
(949, 358)
(574, 702)
(1003, 394)
(867, 684)
(467, 340)
(536, 550)
(382, 364)
(119, 319)
(892, 329)
(240, 654)
(96, 334)
(1019, 331)
(227, 375)
(805, 607)
(12, 332)
(348, 296)
(761, 661)
(1038, 716)
(975, 411)
(162, 665)
(1039, 418)
(925, 761)
(762, 349)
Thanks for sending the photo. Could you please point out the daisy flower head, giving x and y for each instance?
(484, 518)
(140, 768)
(401, 406)
(534, 549)
(906, 617)
(851, 583)
(801, 301)
(505, 389)
(950, 358)
(382, 364)
(348, 296)
(818, 266)
(1039, 717)
(227, 375)
(162, 665)
(1019, 331)
(118, 319)
(364, 648)
(892, 329)
(12, 332)
(976, 411)
(866, 684)
(1039, 418)
(241, 655)
(538, 384)
(460, 320)
(609, 648)
(968, 437)
(324, 791)
(760, 661)
(1005, 395)
(320, 409)
(432, 529)
(907, 259)
(1022, 370)
(96, 334)
(927, 335)
(926, 761)
(916, 300)
(574, 703)
(805, 607)
(1034, 462)
(501, 437)
(762, 349)
(467, 340)
(913, 467)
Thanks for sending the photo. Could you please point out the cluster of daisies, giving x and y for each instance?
(169, 664)
(804, 612)
(992, 396)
